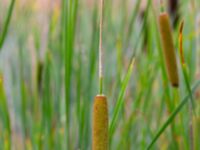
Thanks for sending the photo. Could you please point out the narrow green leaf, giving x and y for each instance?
(172, 116)
(6, 25)
(119, 103)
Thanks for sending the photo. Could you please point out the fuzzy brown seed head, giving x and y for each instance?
(168, 49)
(100, 123)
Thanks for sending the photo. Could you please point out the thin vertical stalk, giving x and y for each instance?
(183, 65)
(100, 49)
(100, 107)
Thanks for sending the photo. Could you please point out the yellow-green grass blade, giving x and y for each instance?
(172, 116)
(120, 100)
(6, 24)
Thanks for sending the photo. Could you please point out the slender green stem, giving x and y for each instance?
(188, 88)
(183, 65)
(101, 85)
(120, 101)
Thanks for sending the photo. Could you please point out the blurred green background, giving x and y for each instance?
(49, 66)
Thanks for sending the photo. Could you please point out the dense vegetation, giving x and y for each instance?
(49, 54)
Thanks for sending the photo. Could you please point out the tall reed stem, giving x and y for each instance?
(100, 49)
(100, 107)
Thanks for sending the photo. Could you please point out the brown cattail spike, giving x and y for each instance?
(168, 48)
(100, 123)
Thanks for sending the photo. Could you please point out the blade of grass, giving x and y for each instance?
(6, 24)
(183, 65)
(119, 103)
(47, 101)
(172, 116)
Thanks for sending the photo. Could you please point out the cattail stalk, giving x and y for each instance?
(100, 107)
(100, 49)
(100, 123)
(168, 48)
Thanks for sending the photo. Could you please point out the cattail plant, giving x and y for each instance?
(168, 48)
(100, 108)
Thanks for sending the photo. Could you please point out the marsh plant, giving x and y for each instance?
(99, 74)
